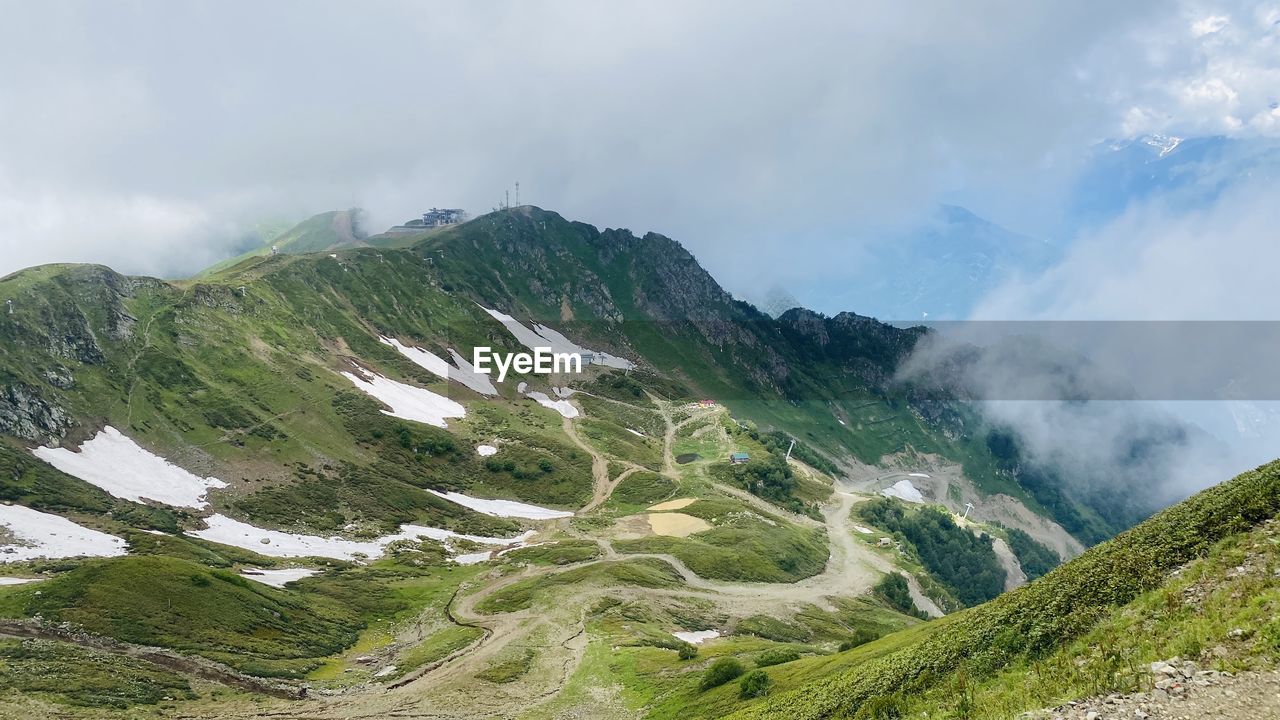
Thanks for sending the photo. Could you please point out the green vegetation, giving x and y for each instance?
(893, 590)
(644, 572)
(720, 672)
(964, 563)
(561, 552)
(80, 676)
(776, 657)
(235, 374)
(641, 490)
(1049, 490)
(172, 603)
(755, 684)
(509, 669)
(741, 545)
(437, 647)
(1034, 557)
(1038, 620)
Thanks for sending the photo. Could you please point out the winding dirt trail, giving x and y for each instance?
(557, 634)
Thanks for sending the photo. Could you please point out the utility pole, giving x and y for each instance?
(517, 193)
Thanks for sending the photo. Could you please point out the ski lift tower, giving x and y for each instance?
(967, 508)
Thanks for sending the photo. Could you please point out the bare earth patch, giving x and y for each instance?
(677, 524)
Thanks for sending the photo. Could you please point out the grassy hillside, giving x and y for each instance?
(330, 230)
(989, 644)
(237, 375)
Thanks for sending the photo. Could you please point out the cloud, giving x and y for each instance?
(1162, 261)
(1219, 76)
(799, 131)
(1170, 258)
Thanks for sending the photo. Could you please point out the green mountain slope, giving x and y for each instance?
(330, 230)
(1117, 585)
(259, 374)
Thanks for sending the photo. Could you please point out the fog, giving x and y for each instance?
(152, 135)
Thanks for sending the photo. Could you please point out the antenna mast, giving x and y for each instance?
(517, 193)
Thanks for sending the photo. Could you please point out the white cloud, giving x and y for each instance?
(1209, 24)
(1160, 261)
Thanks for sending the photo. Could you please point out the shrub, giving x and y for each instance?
(721, 671)
(881, 708)
(754, 684)
(687, 651)
(776, 657)
(894, 591)
(1033, 556)
(861, 636)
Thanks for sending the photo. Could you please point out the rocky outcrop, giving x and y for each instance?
(24, 414)
(1179, 690)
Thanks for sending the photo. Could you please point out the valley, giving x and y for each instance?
(279, 490)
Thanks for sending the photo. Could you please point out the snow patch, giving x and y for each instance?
(463, 373)
(697, 638)
(42, 535)
(564, 407)
(274, 543)
(277, 578)
(637, 433)
(474, 558)
(863, 530)
(903, 490)
(917, 475)
(543, 336)
(502, 508)
(469, 376)
(406, 401)
(117, 464)
(486, 450)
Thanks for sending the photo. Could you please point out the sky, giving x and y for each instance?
(779, 142)
(776, 141)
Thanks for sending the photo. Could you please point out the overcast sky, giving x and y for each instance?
(772, 139)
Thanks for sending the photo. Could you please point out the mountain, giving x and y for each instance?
(937, 271)
(1182, 172)
(330, 230)
(283, 474)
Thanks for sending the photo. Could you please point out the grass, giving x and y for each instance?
(1191, 616)
(510, 668)
(314, 629)
(1041, 618)
(562, 552)
(742, 545)
(181, 605)
(643, 572)
(641, 490)
(437, 646)
(76, 675)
